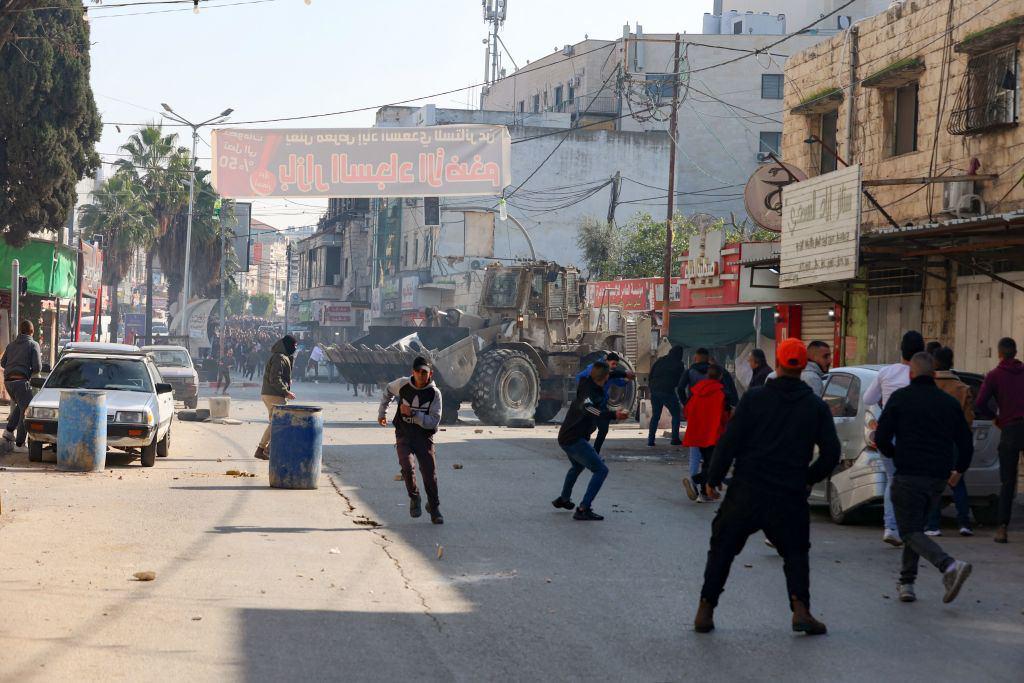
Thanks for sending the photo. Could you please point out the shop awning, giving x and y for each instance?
(692, 329)
(49, 267)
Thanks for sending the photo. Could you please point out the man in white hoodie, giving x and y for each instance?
(416, 421)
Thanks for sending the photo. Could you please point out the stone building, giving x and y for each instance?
(926, 97)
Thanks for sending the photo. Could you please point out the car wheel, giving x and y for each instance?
(164, 447)
(35, 451)
(835, 506)
(148, 454)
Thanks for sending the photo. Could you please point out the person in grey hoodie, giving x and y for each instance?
(416, 422)
(20, 361)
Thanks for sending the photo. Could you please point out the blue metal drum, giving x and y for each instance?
(82, 430)
(296, 446)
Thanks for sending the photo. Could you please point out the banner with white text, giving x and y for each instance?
(450, 161)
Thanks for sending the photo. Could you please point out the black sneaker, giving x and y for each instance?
(435, 514)
(563, 504)
(586, 515)
(414, 507)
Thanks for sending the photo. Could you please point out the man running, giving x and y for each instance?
(770, 439)
(581, 420)
(617, 377)
(416, 421)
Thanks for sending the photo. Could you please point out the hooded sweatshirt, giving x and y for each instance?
(667, 371)
(581, 419)
(21, 357)
(277, 376)
(699, 371)
(771, 439)
(705, 414)
(425, 403)
(1006, 384)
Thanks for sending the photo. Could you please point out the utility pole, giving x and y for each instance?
(15, 296)
(673, 136)
(223, 322)
(614, 200)
(78, 294)
(287, 283)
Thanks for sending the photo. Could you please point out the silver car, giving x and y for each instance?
(176, 368)
(859, 480)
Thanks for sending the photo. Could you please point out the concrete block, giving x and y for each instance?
(220, 406)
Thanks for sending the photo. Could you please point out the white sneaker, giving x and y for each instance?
(932, 532)
(966, 531)
(953, 578)
(892, 538)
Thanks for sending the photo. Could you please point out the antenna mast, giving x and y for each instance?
(494, 14)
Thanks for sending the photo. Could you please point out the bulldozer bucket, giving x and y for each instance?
(387, 352)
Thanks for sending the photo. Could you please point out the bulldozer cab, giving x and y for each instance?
(545, 290)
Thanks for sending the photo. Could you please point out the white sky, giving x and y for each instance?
(283, 58)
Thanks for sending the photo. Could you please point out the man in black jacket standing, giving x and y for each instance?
(665, 375)
(590, 407)
(20, 361)
(770, 442)
(924, 431)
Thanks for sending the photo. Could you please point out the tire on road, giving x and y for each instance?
(835, 506)
(164, 445)
(506, 386)
(147, 455)
(547, 408)
(35, 451)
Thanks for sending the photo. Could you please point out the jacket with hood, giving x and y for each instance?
(698, 372)
(771, 437)
(1006, 384)
(924, 431)
(760, 376)
(705, 414)
(21, 357)
(813, 376)
(951, 384)
(425, 403)
(277, 375)
(581, 419)
(667, 372)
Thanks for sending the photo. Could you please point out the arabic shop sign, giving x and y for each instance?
(704, 260)
(452, 161)
(821, 228)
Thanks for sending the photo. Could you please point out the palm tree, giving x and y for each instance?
(121, 219)
(161, 168)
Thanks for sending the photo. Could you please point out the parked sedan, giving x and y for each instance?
(140, 406)
(859, 480)
(175, 365)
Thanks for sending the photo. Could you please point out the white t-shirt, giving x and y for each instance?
(317, 354)
(889, 379)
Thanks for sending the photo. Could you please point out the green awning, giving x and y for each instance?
(711, 329)
(49, 275)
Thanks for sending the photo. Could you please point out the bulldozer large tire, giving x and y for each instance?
(450, 412)
(506, 387)
(547, 408)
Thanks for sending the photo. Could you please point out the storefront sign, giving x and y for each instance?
(633, 295)
(409, 285)
(456, 160)
(703, 266)
(92, 269)
(821, 229)
(762, 196)
(334, 313)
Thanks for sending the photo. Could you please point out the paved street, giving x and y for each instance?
(339, 583)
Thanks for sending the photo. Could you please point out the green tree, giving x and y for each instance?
(598, 241)
(120, 218)
(261, 304)
(236, 302)
(48, 120)
(160, 168)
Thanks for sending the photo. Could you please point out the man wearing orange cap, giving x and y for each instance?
(769, 443)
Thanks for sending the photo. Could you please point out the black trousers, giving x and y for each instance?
(786, 522)
(701, 477)
(1011, 443)
(422, 450)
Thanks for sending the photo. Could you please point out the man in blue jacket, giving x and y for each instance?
(617, 377)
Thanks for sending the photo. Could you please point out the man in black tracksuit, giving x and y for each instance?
(924, 431)
(770, 442)
(416, 421)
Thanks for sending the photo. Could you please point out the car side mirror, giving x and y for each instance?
(37, 382)
(164, 388)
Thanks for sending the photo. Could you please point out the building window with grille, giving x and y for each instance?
(522, 106)
(558, 98)
(904, 120)
(771, 86)
(536, 104)
(988, 93)
(770, 142)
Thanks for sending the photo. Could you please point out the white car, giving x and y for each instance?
(140, 405)
(175, 365)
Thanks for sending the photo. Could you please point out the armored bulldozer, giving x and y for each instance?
(515, 359)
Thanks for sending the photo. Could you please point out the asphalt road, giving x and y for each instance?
(259, 584)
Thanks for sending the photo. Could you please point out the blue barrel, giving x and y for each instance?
(296, 446)
(82, 430)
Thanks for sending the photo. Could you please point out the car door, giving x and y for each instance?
(164, 402)
(985, 432)
(842, 396)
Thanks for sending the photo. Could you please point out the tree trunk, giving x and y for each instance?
(149, 296)
(115, 311)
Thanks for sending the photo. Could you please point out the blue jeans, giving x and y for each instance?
(963, 508)
(583, 456)
(695, 461)
(889, 514)
(659, 401)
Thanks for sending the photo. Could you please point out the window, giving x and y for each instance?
(988, 93)
(572, 95)
(416, 251)
(332, 265)
(660, 86)
(558, 98)
(771, 141)
(829, 124)
(431, 211)
(737, 28)
(904, 127)
(109, 374)
(771, 86)
(842, 395)
(522, 106)
(536, 103)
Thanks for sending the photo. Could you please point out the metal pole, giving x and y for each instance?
(78, 294)
(673, 121)
(287, 283)
(15, 296)
(223, 323)
(183, 307)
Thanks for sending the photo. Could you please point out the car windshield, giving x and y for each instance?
(112, 374)
(171, 359)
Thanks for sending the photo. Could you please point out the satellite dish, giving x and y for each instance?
(844, 21)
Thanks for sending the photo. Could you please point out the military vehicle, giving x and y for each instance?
(515, 360)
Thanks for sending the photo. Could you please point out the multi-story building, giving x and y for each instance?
(925, 97)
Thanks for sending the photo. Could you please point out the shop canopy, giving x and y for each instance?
(50, 268)
(710, 329)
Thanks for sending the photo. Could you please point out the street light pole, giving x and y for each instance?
(187, 283)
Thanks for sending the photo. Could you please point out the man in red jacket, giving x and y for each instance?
(1006, 385)
(705, 421)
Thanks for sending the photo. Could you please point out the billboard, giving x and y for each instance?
(334, 313)
(453, 161)
(821, 229)
(92, 269)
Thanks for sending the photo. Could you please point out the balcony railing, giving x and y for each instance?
(592, 105)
